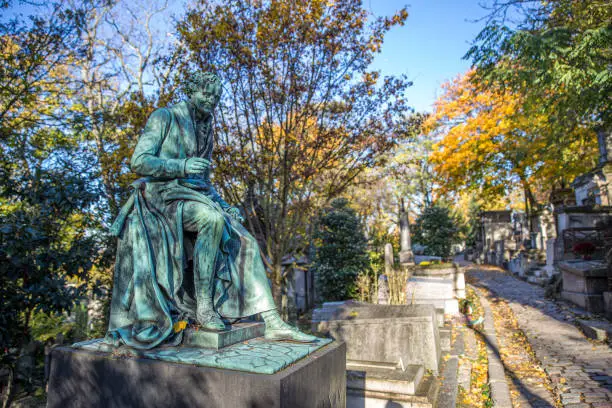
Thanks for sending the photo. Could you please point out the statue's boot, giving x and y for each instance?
(277, 329)
(206, 315)
(208, 318)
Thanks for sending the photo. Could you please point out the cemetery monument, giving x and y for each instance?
(186, 273)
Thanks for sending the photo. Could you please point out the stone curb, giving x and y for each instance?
(448, 390)
(500, 393)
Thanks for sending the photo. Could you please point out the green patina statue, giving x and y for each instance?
(183, 253)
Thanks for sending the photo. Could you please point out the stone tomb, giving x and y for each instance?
(440, 287)
(236, 369)
(584, 283)
(389, 347)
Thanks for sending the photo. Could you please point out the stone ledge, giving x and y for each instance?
(596, 329)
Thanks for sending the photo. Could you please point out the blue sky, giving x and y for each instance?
(430, 46)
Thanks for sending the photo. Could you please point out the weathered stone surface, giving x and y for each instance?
(383, 333)
(255, 355)
(430, 288)
(383, 290)
(377, 377)
(80, 378)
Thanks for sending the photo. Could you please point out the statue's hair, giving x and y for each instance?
(199, 80)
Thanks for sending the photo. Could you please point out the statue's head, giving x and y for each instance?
(204, 91)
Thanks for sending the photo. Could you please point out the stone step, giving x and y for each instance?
(383, 377)
(238, 333)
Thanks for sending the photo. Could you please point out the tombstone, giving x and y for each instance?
(550, 258)
(499, 253)
(388, 349)
(388, 259)
(435, 286)
(406, 257)
(383, 290)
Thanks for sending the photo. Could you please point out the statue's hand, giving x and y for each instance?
(196, 165)
(235, 214)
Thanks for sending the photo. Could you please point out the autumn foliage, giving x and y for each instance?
(492, 144)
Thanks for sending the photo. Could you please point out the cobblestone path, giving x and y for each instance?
(580, 370)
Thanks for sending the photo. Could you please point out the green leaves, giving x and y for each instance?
(560, 45)
(438, 230)
(341, 252)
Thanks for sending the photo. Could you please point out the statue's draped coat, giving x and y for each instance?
(153, 283)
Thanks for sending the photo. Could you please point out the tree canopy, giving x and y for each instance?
(543, 47)
(302, 115)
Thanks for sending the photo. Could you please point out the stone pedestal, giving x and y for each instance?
(406, 257)
(584, 283)
(83, 378)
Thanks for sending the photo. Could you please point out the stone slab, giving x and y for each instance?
(384, 333)
(591, 303)
(429, 288)
(585, 283)
(584, 268)
(81, 378)
(435, 272)
(377, 377)
(255, 355)
(238, 333)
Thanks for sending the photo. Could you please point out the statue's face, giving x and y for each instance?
(207, 98)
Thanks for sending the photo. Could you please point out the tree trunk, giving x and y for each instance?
(10, 385)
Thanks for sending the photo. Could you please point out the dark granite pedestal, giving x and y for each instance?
(83, 378)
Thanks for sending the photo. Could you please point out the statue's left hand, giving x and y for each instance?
(235, 214)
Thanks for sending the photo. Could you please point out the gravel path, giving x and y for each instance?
(580, 370)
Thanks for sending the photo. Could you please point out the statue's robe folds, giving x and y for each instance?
(153, 285)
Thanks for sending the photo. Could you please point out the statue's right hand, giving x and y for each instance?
(196, 165)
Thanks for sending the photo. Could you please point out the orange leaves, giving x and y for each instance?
(491, 140)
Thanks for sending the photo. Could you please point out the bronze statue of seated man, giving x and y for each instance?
(175, 218)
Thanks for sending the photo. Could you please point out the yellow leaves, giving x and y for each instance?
(179, 326)
(489, 142)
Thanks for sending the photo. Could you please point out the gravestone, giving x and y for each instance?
(388, 259)
(383, 290)
(406, 257)
(436, 286)
(550, 258)
(389, 347)
(383, 333)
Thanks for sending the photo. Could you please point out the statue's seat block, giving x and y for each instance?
(85, 378)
